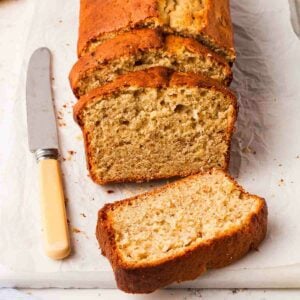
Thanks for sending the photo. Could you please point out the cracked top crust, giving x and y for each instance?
(208, 21)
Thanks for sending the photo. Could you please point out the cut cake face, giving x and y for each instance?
(154, 124)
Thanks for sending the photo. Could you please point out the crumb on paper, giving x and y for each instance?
(60, 21)
(110, 191)
(249, 150)
(62, 124)
(246, 150)
(67, 44)
(279, 165)
(83, 215)
(70, 155)
(65, 105)
(76, 230)
(297, 156)
(281, 182)
(79, 137)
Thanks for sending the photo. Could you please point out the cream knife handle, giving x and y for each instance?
(56, 235)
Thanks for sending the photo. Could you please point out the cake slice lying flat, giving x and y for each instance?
(155, 124)
(177, 232)
(208, 21)
(142, 49)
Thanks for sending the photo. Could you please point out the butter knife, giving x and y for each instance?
(295, 15)
(43, 141)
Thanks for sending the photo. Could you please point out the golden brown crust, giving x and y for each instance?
(100, 17)
(124, 45)
(218, 25)
(103, 19)
(215, 253)
(130, 44)
(173, 42)
(157, 77)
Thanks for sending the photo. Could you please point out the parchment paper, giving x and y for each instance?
(265, 157)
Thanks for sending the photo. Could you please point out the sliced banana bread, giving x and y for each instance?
(177, 232)
(142, 49)
(155, 124)
(206, 20)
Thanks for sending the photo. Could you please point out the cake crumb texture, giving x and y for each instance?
(176, 232)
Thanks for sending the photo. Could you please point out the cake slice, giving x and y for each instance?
(177, 232)
(142, 49)
(156, 124)
(208, 21)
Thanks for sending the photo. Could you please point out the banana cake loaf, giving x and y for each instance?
(155, 124)
(177, 232)
(208, 21)
(141, 49)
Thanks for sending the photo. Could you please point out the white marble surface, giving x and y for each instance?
(15, 19)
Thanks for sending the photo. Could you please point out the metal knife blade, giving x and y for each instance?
(295, 15)
(41, 121)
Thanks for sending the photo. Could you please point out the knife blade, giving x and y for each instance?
(41, 122)
(43, 141)
(295, 15)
